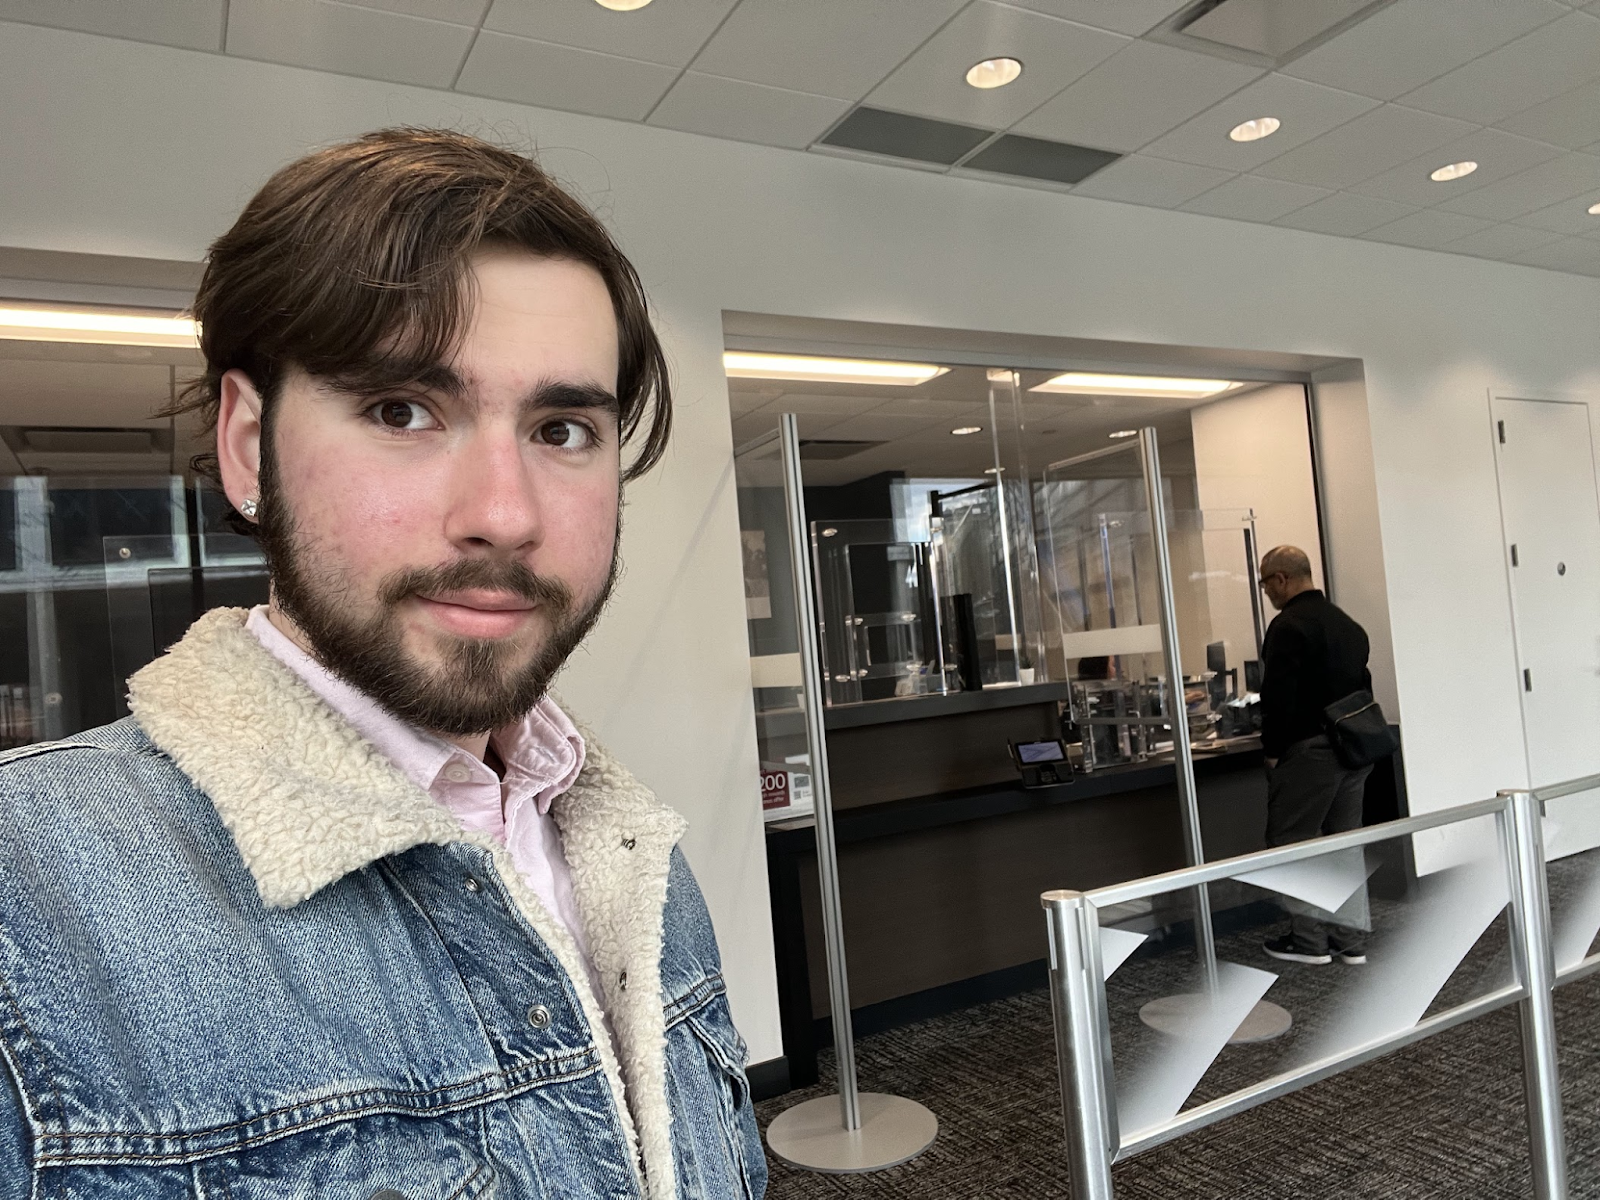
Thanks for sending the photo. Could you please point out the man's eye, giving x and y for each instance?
(568, 435)
(402, 414)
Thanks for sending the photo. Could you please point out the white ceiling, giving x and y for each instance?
(1367, 114)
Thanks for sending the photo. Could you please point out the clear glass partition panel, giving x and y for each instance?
(777, 687)
(878, 620)
(1431, 946)
(1572, 853)
(979, 592)
(56, 674)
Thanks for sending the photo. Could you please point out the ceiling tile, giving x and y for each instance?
(1053, 53)
(835, 48)
(1580, 255)
(1571, 120)
(1345, 214)
(1497, 154)
(1502, 241)
(530, 72)
(746, 112)
(661, 33)
(1536, 67)
(348, 40)
(1252, 198)
(1369, 145)
(1153, 181)
(1122, 16)
(1307, 110)
(1538, 187)
(1409, 43)
(1428, 229)
(458, 12)
(1137, 94)
(1570, 216)
(192, 24)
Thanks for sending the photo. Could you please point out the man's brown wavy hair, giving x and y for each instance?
(352, 264)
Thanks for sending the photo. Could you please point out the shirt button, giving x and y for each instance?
(458, 772)
(539, 1017)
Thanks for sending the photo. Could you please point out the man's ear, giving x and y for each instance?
(239, 439)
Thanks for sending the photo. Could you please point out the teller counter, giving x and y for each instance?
(943, 854)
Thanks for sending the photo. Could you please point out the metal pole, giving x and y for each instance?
(1004, 514)
(1182, 759)
(1251, 563)
(1082, 1041)
(816, 736)
(1535, 960)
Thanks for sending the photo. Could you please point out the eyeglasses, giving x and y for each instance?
(1272, 575)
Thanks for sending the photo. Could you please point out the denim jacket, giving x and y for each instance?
(243, 957)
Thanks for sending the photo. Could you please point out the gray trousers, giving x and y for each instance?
(1310, 793)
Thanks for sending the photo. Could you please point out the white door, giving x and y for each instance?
(1548, 507)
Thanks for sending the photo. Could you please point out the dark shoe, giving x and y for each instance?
(1353, 958)
(1289, 950)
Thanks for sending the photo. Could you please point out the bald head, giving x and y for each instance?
(1285, 573)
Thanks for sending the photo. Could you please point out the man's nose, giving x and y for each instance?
(495, 498)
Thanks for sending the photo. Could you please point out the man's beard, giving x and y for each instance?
(477, 686)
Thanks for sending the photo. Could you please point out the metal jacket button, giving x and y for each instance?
(539, 1017)
(473, 885)
(629, 843)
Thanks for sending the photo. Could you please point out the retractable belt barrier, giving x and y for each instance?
(1127, 1071)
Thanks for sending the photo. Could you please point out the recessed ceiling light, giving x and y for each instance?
(622, 5)
(1458, 170)
(1124, 433)
(1160, 387)
(1254, 131)
(994, 72)
(964, 430)
(1594, 210)
(104, 328)
(740, 365)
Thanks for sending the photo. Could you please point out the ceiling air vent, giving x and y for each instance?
(1036, 158)
(90, 441)
(1266, 32)
(822, 448)
(878, 131)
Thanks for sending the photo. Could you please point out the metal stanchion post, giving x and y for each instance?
(1172, 1013)
(871, 1131)
(1535, 962)
(1083, 1041)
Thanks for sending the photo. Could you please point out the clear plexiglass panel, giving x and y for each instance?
(1182, 1036)
(771, 622)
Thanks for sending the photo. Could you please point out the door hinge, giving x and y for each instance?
(1514, 554)
(1502, 428)
(1527, 680)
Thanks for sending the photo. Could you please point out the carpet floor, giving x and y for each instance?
(1443, 1119)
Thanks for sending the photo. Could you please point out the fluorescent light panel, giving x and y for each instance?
(101, 328)
(742, 365)
(1160, 387)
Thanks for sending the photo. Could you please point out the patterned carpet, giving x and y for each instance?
(1440, 1120)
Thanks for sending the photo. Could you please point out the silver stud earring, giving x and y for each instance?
(248, 508)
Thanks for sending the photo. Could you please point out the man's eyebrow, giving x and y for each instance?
(560, 393)
(385, 377)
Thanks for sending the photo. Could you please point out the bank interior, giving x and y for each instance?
(981, 558)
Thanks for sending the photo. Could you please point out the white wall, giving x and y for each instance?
(122, 148)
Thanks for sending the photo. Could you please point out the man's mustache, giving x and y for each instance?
(478, 574)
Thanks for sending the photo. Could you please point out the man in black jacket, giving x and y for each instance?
(1314, 655)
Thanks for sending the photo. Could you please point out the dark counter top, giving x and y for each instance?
(973, 804)
(916, 708)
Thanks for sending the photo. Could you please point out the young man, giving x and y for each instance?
(349, 908)
(1314, 654)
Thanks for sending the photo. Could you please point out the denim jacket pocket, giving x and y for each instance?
(372, 1158)
(719, 1147)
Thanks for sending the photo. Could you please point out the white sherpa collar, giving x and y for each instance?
(308, 800)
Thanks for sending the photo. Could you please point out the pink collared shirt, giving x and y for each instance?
(542, 753)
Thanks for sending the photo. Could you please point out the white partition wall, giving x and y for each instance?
(120, 148)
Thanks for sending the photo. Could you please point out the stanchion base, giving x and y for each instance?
(1172, 1014)
(893, 1130)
